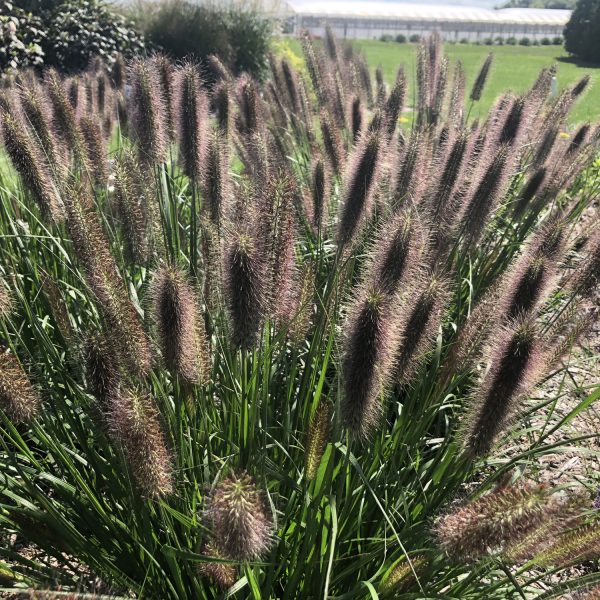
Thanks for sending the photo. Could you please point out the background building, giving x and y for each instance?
(368, 20)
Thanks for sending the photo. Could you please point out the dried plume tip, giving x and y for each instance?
(18, 398)
(318, 437)
(370, 337)
(31, 167)
(514, 367)
(182, 337)
(192, 115)
(221, 574)
(488, 524)
(403, 575)
(244, 286)
(147, 112)
(135, 425)
(237, 516)
(359, 183)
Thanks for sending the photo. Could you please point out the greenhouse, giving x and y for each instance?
(368, 20)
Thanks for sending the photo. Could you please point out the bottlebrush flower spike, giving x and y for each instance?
(320, 190)
(370, 334)
(134, 425)
(39, 120)
(244, 273)
(222, 104)
(356, 118)
(482, 76)
(96, 148)
(360, 180)
(237, 517)
(65, 119)
(192, 117)
(18, 398)
(216, 181)
(318, 436)
(102, 371)
(515, 359)
(489, 523)
(222, 574)
(420, 323)
(31, 167)
(396, 252)
(147, 112)
(573, 546)
(182, 337)
(395, 103)
(165, 73)
(404, 575)
(332, 143)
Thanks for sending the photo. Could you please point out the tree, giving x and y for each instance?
(582, 33)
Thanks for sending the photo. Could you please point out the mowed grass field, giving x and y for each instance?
(515, 68)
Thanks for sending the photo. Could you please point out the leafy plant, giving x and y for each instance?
(271, 345)
(583, 31)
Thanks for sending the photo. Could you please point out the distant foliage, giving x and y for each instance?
(21, 38)
(582, 33)
(239, 36)
(65, 35)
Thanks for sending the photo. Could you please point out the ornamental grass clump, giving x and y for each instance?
(269, 339)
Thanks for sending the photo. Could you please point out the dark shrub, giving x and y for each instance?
(499, 41)
(488, 42)
(79, 31)
(524, 41)
(401, 38)
(21, 38)
(65, 35)
(582, 33)
(238, 36)
(464, 41)
(511, 41)
(546, 41)
(557, 41)
(415, 38)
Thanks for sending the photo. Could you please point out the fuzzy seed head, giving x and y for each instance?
(18, 398)
(237, 516)
(181, 331)
(135, 426)
(318, 437)
(486, 525)
(222, 575)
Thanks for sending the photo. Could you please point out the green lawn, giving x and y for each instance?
(515, 68)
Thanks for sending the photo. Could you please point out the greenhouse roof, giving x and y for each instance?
(428, 12)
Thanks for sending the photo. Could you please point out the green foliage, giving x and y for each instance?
(223, 467)
(401, 39)
(65, 35)
(582, 33)
(239, 36)
(22, 36)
